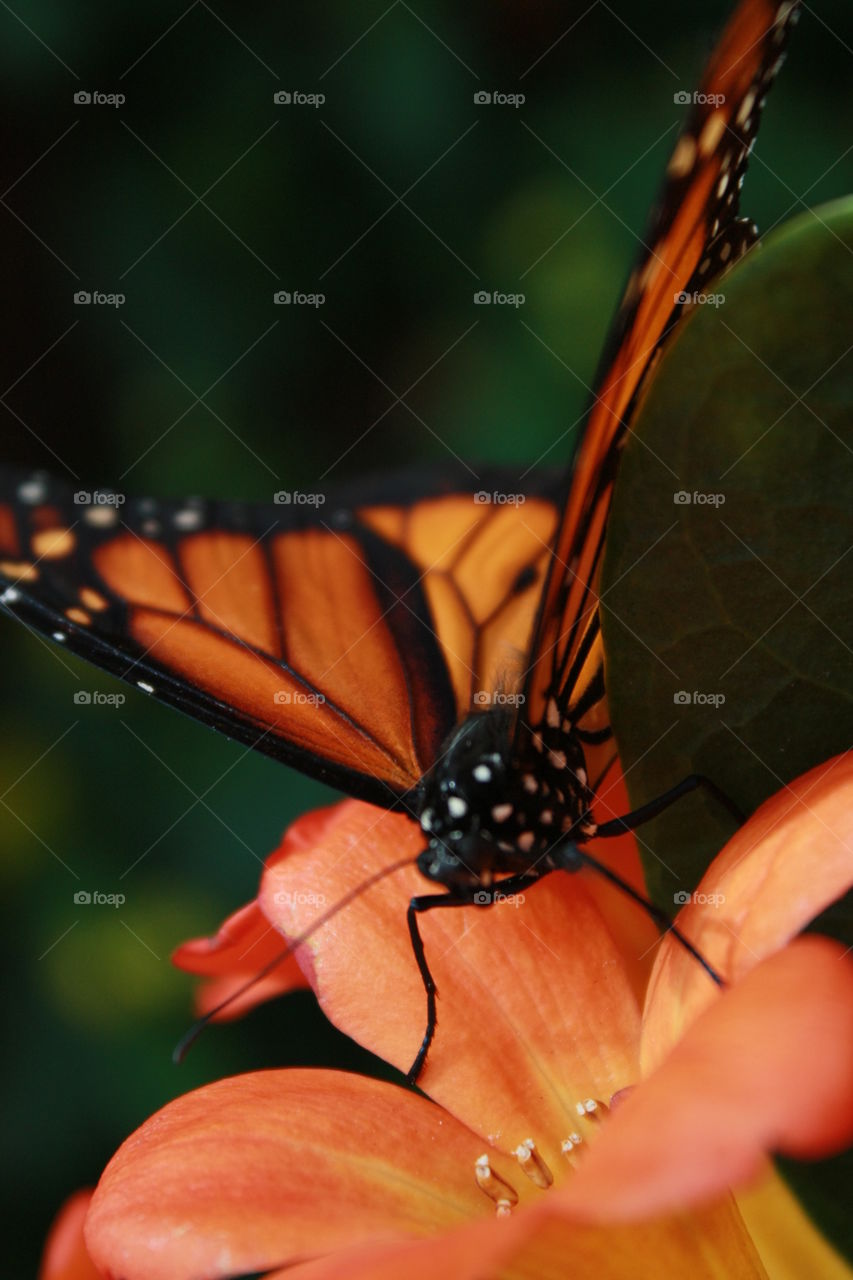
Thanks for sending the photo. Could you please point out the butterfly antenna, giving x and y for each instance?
(660, 917)
(188, 1040)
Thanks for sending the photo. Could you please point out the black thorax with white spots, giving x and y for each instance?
(487, 815)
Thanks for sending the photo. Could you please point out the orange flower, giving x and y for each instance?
(65, 1255)
(541, 1033)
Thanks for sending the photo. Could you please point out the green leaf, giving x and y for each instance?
(744, 592)
(748, 598)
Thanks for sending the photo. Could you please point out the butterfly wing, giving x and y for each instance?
(693, 235)
(344, 638)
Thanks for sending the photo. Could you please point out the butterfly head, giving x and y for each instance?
(486, 814)
(459, 796)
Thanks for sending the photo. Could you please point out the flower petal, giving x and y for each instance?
(767, 1067)
(536, 1011)
(541, 1243)
(65, 1254)
(252, 1172)
(787, 1240)
(633, 930)
(783, 867)
(245, 944)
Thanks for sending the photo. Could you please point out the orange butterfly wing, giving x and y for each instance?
(694, 234)
(347, 642)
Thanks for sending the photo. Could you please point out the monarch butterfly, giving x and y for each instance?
(370, 647)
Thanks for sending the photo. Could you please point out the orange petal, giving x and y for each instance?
(252, 1172)
(788, 1242)
(783, 867)
(245, 944)
(632, 928)
(65, 1255)
(536, 1011)
(768, 1067)
(541, 1244)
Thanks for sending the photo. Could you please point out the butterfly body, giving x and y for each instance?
(489, 813)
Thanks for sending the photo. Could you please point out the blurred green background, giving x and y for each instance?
(198, 198)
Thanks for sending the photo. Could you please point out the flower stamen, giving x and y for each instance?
(494, 1186)
(590, 1109)
(533, 1165)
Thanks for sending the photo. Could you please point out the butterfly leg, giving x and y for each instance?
(571, 858)
(471, 896)
(693, 781)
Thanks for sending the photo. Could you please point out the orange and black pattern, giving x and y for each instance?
(350, 639)
(694, 234)
(346, 639)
